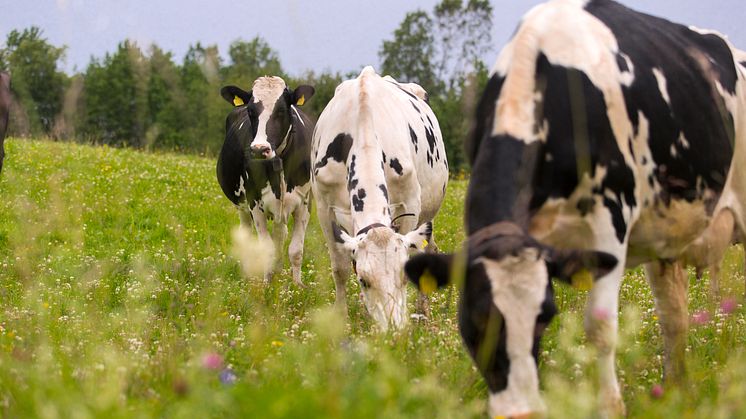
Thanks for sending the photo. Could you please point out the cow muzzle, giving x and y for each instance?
(261, 151)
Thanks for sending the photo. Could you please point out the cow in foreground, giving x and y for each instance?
(379, 173)
(4, 111)
(605, 138)
(264, 164)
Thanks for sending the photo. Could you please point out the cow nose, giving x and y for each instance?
(261, 151)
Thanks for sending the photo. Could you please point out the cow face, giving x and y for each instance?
(379, 255)
(506, 303)
(269, 110)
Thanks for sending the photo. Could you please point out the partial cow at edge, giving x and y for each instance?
(605, 139)
(379, 178)
(264, 164)
(4, 111)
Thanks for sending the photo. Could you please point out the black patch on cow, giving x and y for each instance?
(692, 63)
(430, 135)
(358, 200)
(622, 63)
(586, 205)
(337, 150)
(383, 155)
(385, 191)
(501, 183)
(580, 150)
(413, 138)
(351, 180)
(743, 63)
(394, 163)
(406, 92)
(414, 105)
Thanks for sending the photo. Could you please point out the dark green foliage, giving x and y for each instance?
(37, 84)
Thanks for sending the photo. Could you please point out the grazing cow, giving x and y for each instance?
(605, 138)
(4, 111)
(264, 166)
(379, 171)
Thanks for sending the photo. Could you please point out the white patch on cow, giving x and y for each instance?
(627, 77)
(662, 84)
(241, 125)
(518, 290)
(298, 115)
(241, 188)
(684, 143)
(266, 90)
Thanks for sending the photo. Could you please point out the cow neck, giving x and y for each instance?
(501, 186)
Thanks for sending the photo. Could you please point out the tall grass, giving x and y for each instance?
(119, 297)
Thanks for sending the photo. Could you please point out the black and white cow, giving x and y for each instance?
(379, 172)
(4, 111)
(605, 138)
(264, 166)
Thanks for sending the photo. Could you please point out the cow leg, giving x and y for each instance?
(340, 259)
(422, 306)
(295, 251)
(279, 234)
(260, 224)
(601, 328)
(669, 284)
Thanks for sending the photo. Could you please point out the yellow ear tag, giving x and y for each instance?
(428, 283)
(237, 101)
(424, 243)
(582, 280)
(301, 100)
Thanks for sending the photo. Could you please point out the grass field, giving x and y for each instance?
(120, 297)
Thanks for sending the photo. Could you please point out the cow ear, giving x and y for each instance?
(429, 271)
(341, 237)
(580, 267)
(302, 93)
(418, 238)
(235, 95)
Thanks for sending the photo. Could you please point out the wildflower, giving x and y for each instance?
(656, 391)
(599, 313)
(728, 305)
(227, 376)
(212, 361)
(701, 317)
(277, 343)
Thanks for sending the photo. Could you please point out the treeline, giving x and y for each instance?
(147, 99)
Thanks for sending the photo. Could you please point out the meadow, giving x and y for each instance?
(121, 296)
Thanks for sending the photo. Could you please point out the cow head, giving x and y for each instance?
(379, 253)
(262, 118)
(507, 301)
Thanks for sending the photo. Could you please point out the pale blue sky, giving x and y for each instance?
(312, 34)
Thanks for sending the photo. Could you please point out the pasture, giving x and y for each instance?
(120, 296)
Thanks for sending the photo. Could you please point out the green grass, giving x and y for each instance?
(119, 297)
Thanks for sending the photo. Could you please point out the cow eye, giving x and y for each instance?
(364, 283)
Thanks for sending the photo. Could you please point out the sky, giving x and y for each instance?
(314, 35)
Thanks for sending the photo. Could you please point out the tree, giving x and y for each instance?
(250, 60)
(409, 55)
(462, 38)
(37, 85)
(204, 109)
(115, 101)
(442, 52)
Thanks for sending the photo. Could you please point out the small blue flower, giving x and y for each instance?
(228, 377)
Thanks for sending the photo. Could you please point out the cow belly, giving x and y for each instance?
(663, 232)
